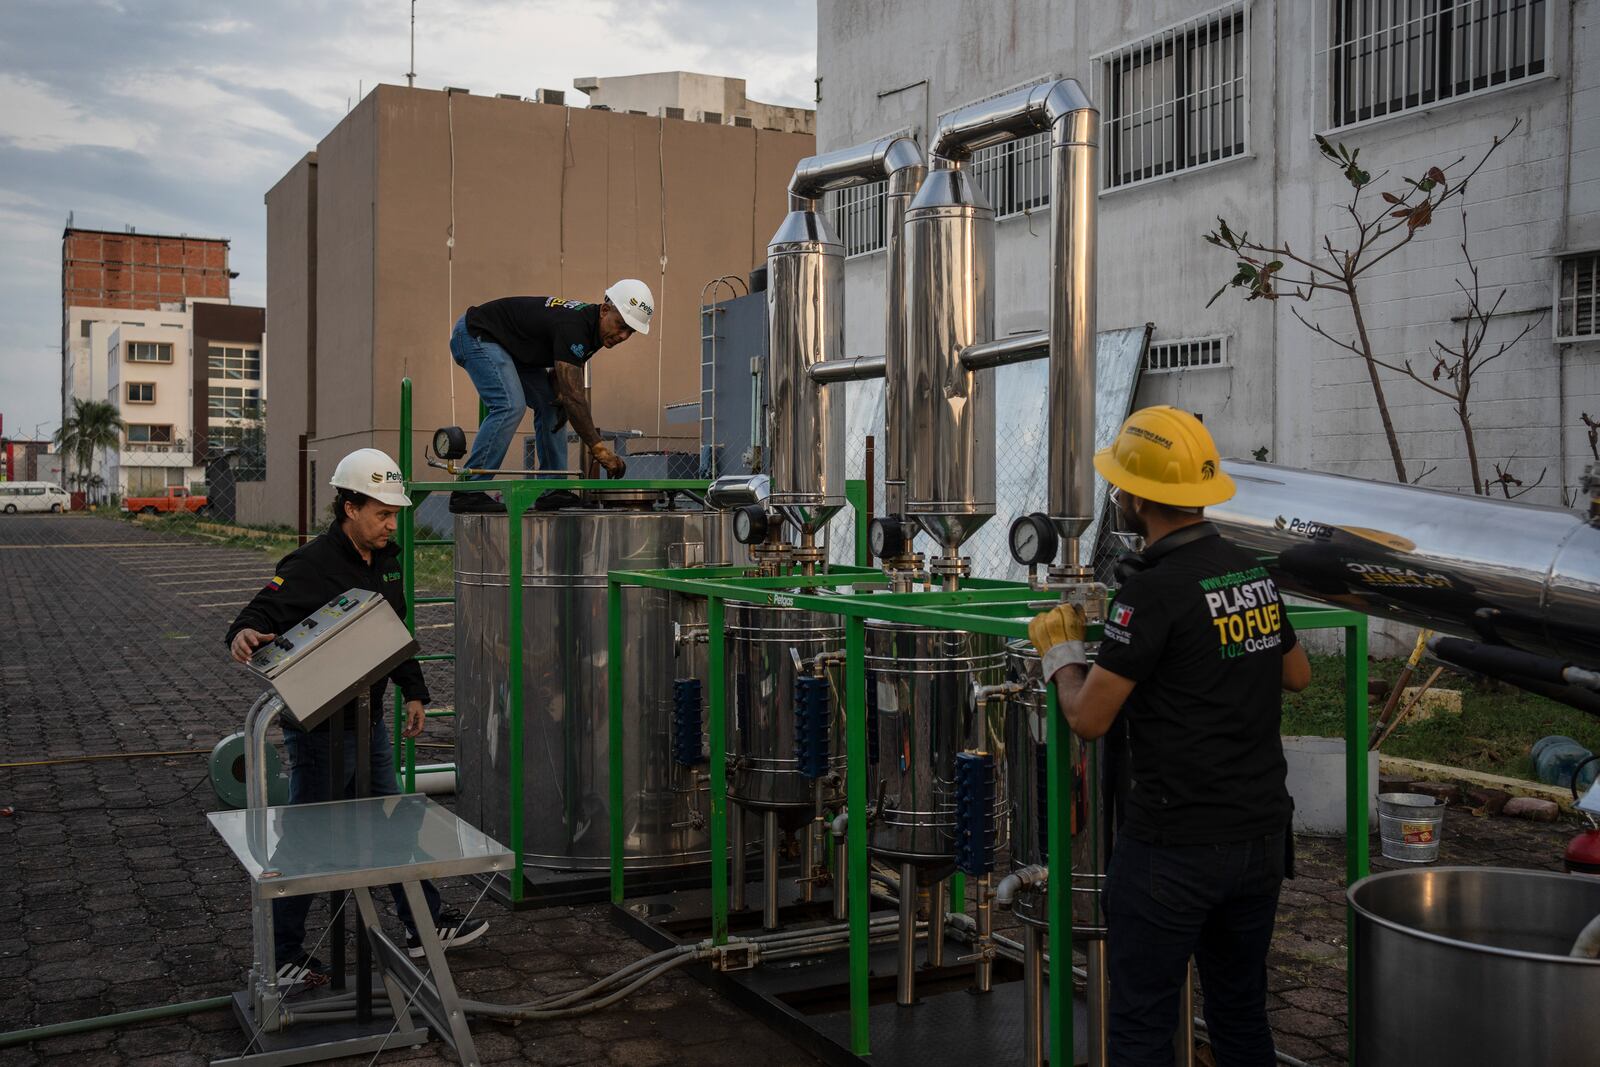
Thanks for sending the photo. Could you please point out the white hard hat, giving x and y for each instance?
(632, 297)
(372, 473)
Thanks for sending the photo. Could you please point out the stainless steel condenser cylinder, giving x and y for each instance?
(805, 317)
(949, 241)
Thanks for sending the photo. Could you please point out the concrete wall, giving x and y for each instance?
(1288, 390)
(696, 94)
(389, 288)
(291, 322)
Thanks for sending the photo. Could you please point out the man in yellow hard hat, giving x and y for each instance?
(1196, 655)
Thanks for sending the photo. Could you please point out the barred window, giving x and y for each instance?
(234, 361)
(857, 215)
(1188, 353)
(1177, 99)
(145, 433)
(1014, 175)
(1578, 298)
(149, 352)
(233, 402)
(1379, 57)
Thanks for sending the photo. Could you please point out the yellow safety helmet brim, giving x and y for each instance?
(1167, 456)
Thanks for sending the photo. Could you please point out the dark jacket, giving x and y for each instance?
(316, 573)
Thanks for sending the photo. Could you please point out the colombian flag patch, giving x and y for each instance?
(273, 586)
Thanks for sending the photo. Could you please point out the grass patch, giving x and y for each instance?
(1496, 727)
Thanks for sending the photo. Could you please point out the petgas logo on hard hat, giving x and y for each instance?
(372, 473)
(1167, 456)
(634, 302)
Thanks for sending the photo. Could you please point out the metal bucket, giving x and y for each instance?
(1410, 825)
(1469, 965)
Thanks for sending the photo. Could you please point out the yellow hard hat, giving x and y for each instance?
(1166, 455)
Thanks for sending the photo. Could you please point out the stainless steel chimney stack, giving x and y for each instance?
(805, 305)
(1064, 109)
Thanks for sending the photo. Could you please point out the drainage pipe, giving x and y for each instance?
(104, 1022)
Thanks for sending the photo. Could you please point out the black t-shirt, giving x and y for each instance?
(1203, 634)
(539, 331)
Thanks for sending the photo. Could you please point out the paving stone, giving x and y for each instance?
(1533, 809)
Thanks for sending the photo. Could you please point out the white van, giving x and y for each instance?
(33, 496)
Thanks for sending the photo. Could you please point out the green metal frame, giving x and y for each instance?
(988, 607)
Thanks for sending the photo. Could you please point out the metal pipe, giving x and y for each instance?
(852, 369)
(1183, 1037)
(904, 181)
(1032, 996)
(1004, 351)
(906, 980)
(1097, 980)
(808, 862)
(769, 870)
(1491, 570)
(841, 868)
(985, 965)
(740, 875)
(1015, 882)
(936, 916)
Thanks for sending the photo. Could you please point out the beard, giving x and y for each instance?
(1130, 522)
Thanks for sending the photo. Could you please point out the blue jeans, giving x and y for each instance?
(1165, 904)
(309, 763)
(507, 388)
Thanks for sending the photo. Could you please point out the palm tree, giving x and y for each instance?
(93, 426)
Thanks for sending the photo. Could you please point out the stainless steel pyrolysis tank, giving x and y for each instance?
(923, 684)
(1459, 965)
(762, 771)
(565, 695)
(1026, 718)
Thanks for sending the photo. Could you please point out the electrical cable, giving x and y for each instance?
(24, 809)
(450, 255)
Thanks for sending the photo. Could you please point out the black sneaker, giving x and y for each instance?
(304, 969)
(556, 499)
(463, 503)
(452, 929)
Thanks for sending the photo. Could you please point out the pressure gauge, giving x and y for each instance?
(750, 525)
(1033, 540)
(886, 538)
(449, 442)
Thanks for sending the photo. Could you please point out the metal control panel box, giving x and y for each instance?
(321, 663)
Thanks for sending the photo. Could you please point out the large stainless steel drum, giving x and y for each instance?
(923, 685)
(763, 772)
(1458, 965)
(565, 695)
(1030, 813)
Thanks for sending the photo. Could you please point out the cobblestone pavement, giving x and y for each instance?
(115, 894)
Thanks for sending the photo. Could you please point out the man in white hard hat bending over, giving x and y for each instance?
(529, 352)
(356, 552)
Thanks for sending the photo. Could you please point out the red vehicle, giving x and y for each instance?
(177, 498)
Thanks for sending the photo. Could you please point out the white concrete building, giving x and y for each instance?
(1212, 110)
(142, 363)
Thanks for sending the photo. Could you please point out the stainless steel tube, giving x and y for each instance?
(1032, 996)
(1183, 1037)
(769, 870)
(1004, 351)
(1075, 157)
(1491, 570)
(739, 874)
(906, 980)
(1098, 979)
(808, 861)
(850, 369)
(936, 914)
(904, 181)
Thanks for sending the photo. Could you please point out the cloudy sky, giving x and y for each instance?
(176, 116)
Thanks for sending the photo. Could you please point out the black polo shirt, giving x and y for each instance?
(1203, 634)
(316, 573)
(539, 331)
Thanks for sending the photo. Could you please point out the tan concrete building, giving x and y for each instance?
(684, 94)
(421, 203)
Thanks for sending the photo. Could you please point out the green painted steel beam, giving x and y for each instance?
(1357, 828)
(432, 600)
(435, 657)
(717, 727)
(855, 491)
(859, 880)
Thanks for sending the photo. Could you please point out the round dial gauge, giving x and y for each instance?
(1033, 540)
(750, 525)
(449, 442)
(886, 538)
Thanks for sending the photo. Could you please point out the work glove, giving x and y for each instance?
(1057, 634)
(608, 459)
